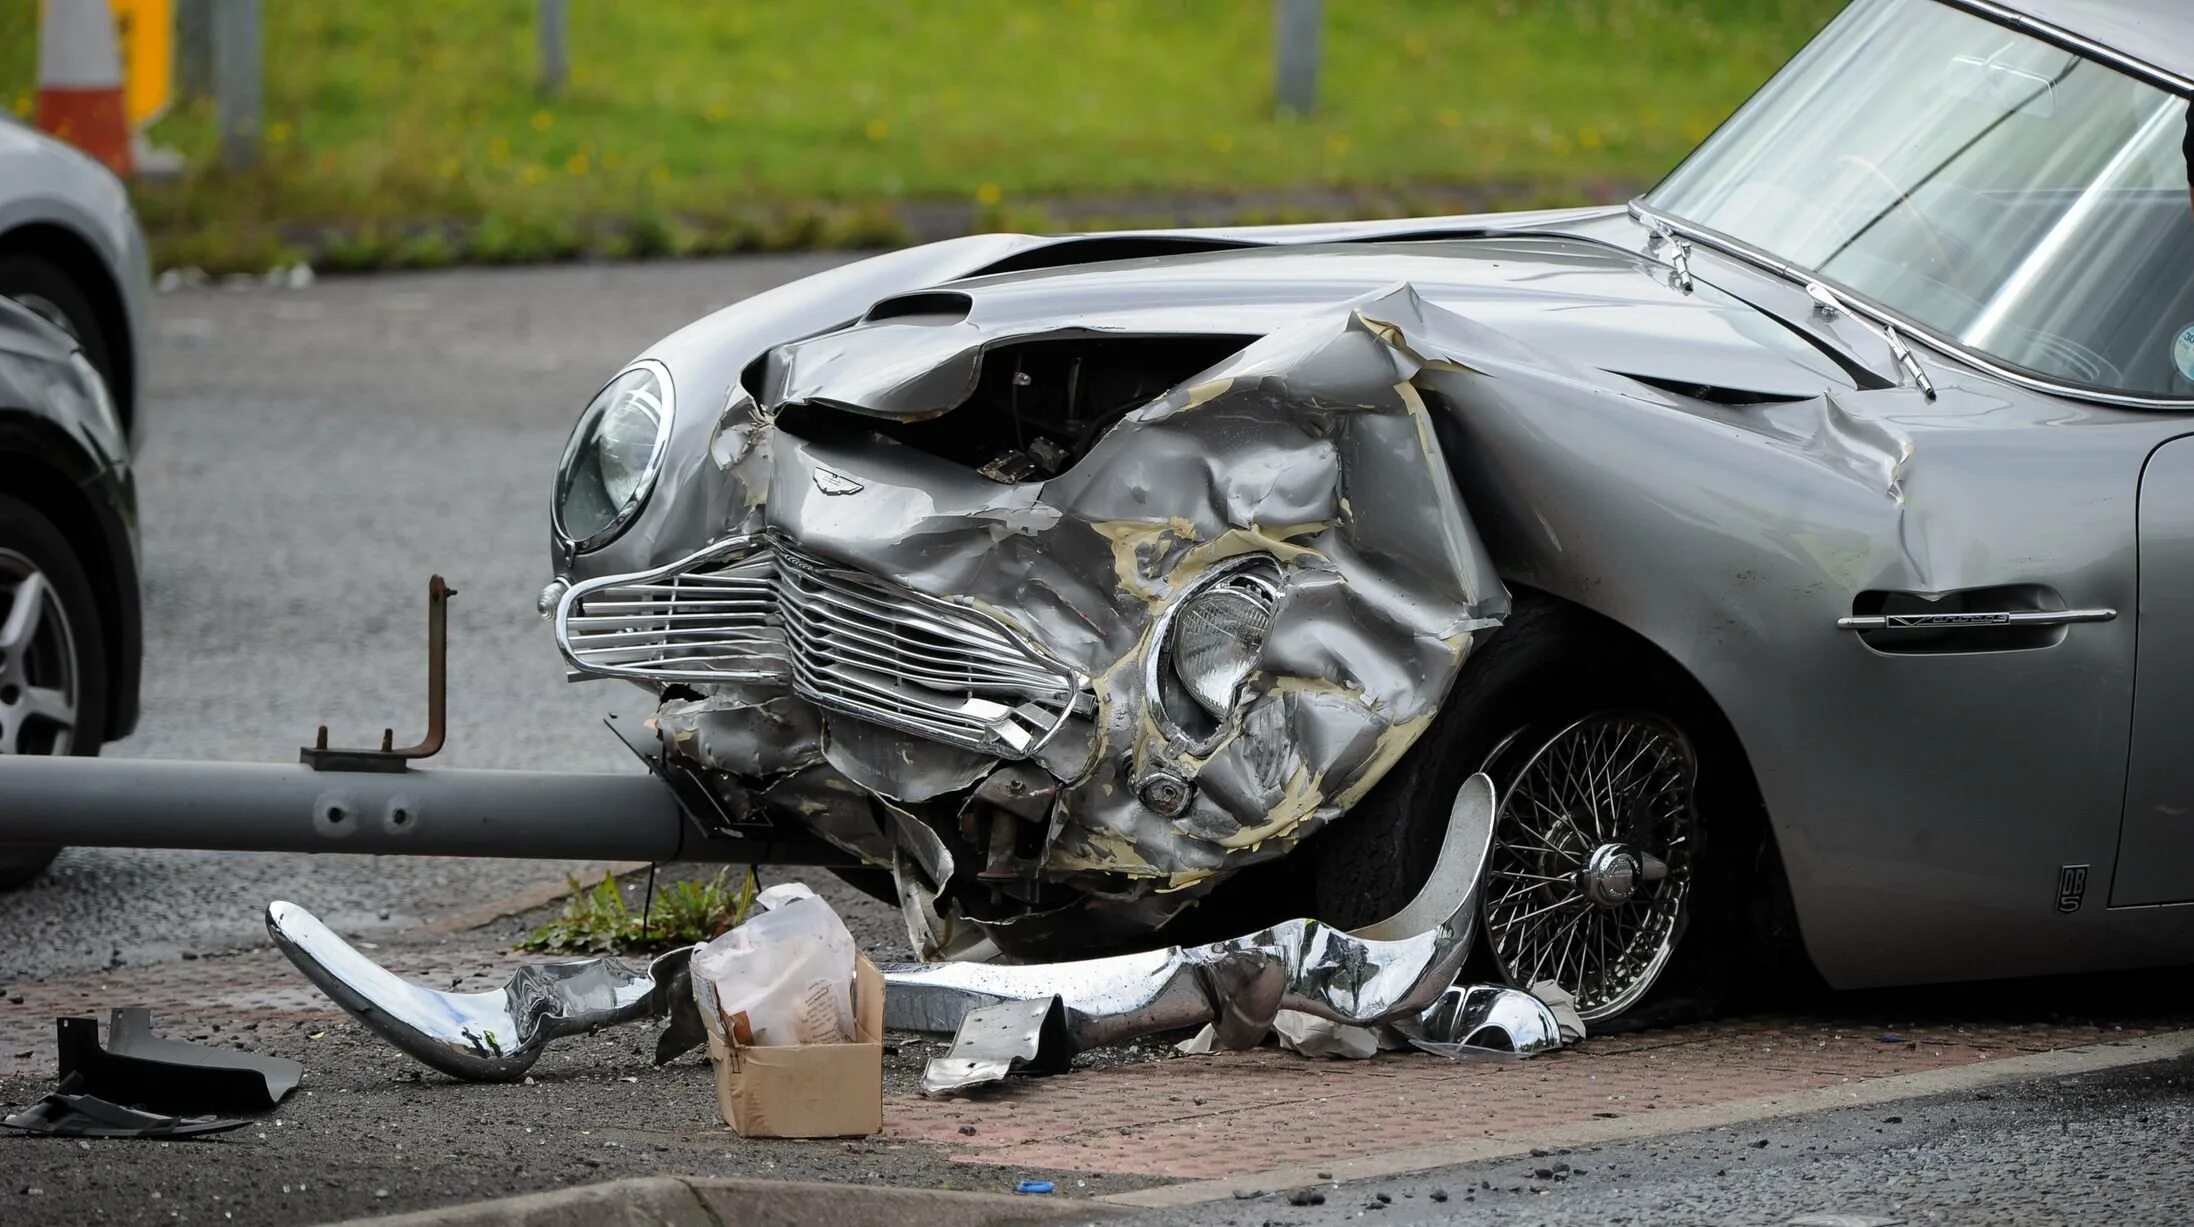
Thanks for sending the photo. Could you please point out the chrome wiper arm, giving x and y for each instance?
(1679, 254)
(1829, 303)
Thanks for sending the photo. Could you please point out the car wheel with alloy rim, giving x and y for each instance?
(52, 661)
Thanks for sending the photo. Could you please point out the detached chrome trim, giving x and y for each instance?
(1858, 305)
(1978, 618)
(756, 609)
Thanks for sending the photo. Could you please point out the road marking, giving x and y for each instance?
(1599, 1132)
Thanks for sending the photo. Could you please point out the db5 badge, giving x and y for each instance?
(2071, 885)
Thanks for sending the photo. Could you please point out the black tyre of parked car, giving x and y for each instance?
(53, 667)
(53, 296)
(1626, 832)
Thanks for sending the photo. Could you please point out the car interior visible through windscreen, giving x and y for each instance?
(1993, 189)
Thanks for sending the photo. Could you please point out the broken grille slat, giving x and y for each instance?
(843, 639)
(940, 663)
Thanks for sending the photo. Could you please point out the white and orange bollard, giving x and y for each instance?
(80, 95)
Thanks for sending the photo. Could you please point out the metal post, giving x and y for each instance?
(1297, 26)
(289, 807)
(193, 50)
(236, 85)
(554, 63)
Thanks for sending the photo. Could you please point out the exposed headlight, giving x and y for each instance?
(613, 455)
(1209, 642)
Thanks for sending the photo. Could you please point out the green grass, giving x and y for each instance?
(687, 122)
(598, 918)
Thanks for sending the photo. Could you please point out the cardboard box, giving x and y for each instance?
(809, 1090)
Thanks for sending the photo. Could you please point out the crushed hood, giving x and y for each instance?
(1600, 307)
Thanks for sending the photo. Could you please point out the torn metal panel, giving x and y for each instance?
(492, 1036)
(995, 1041)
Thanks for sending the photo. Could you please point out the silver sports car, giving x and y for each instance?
(1806, 548)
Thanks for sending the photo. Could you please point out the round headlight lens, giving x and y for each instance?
(1216, 637)
(613, 455)
(1209, 644)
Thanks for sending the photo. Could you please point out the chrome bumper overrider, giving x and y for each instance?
(756, 609)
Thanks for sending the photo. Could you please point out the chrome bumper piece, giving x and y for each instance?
(494, 1036)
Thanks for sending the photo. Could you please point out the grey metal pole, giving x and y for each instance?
(1297, 27)
(289, 807)
(237, 62)
(555, 64)
(193, 50)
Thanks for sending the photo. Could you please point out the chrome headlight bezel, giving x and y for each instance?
(1185, 719)
(584, 434)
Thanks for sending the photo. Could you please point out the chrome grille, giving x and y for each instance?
(711, 617)
(752, 610)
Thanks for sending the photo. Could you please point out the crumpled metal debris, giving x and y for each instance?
(60, 1114)
(1011, 1037)
(1484, 1020)
(493, 1036)
(1375, 975)
(1310, 449)
(172, 1088)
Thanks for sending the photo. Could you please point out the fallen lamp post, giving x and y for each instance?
(376, 802)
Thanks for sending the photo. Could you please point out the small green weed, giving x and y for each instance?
(597, 919)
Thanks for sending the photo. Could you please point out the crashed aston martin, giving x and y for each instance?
(1802, 548)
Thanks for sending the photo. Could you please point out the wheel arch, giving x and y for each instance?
(1733, 778)
(81, 260)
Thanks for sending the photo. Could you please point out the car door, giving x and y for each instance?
(2156, 835)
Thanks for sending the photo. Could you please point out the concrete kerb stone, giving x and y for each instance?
(676, 1201)
(2062, 1063)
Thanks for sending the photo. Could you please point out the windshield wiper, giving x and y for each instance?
(1679, 256)
(1827, 302)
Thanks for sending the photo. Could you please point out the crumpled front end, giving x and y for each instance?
(1061, 683)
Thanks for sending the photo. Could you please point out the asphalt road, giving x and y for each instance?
(309, 456)
(2110, 1147)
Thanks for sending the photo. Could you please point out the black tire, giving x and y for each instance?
(50, 293)
(27, 534)
(1549, 666)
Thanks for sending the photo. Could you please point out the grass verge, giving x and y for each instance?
(414, 132)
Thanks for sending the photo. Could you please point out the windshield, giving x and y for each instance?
(1985, 186)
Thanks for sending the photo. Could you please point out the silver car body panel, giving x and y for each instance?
(1926, 805)
(45, 182)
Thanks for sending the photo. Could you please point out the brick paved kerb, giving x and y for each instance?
(1181, 1118)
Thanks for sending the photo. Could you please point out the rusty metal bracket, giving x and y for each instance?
(390, 757)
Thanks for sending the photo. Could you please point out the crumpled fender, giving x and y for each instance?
(1313, 445)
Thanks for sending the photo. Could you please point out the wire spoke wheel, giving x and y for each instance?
(1591, 861)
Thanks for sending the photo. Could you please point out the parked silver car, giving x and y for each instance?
(1807, 545)
(73, 272)
(71, 251)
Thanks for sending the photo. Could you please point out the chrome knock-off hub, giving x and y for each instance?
(1612, 873)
